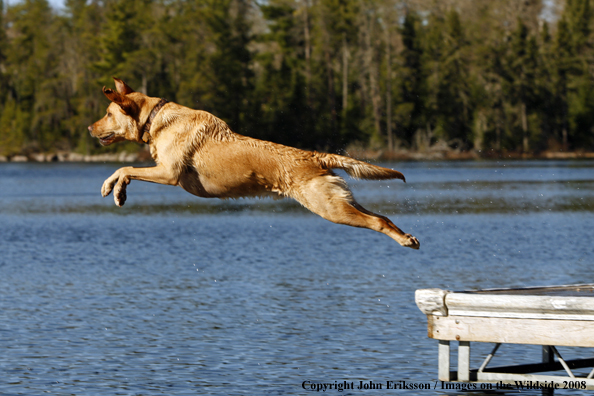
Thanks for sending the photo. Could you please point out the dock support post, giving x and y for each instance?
(464, 361)
(548, 356)
(444, 360)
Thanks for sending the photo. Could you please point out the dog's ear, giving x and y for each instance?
(121, 100)
(122, 87)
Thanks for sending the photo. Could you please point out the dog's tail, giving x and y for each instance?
(358, 169)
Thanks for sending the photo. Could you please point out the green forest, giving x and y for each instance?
(489, 76)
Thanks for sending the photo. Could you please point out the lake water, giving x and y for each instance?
(177, 295)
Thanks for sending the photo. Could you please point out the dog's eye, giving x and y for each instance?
(109, 114)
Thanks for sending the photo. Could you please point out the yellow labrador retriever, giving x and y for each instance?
(197, 151)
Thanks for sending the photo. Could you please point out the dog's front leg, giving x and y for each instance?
(121, 178)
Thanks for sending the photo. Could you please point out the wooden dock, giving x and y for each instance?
(547, 316)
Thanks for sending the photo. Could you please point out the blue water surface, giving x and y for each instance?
(177, 295)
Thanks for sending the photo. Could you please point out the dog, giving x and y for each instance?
(199, 152)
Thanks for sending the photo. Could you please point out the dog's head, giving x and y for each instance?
(122, 120)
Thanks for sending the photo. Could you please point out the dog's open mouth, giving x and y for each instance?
(107, 140)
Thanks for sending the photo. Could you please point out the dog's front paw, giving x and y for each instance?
(106, 188)
(109, 183)
(119, 192)
(119, 195)
(411, 242)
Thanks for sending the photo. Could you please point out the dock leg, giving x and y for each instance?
(548, 356)
(464, 361)
(443, 371)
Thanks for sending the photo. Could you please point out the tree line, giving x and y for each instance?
(498, 76)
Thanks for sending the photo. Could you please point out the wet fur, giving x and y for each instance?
(197, 151)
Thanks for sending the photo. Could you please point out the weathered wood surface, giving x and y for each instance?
(497, 304)
(520, 306)
(578, 290)
(431, 301)
(577, 333)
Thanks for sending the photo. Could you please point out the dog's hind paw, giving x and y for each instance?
(411, 242)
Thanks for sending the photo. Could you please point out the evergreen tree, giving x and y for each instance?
(449, 106)
(519, 77)
(280, 90)
(571, 65)
(30, 62)
(81, 51)
(226, 80)
(409, 111)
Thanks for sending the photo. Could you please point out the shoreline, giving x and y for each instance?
(76, 157)
(361, 154)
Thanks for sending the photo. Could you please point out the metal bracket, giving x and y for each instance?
(489, 357)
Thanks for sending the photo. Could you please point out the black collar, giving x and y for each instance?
(147, 127)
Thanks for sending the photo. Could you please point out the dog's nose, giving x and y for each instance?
(90, 128)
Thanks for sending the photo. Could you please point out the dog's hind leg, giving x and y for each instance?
(329, 197)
